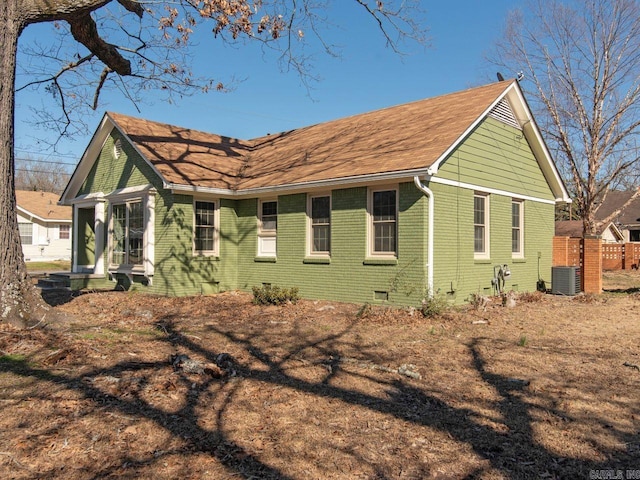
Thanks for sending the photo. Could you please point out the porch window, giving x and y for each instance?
(205, 227)
(481, 226)
(26, 233)
(319, 212)
(127, 233)
(383, 217)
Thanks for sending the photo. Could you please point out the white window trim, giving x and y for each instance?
(487, 223)
(310, 252)
(216, 228)
(519, 254)
(266, 236)
(148, 199)
(370, 229)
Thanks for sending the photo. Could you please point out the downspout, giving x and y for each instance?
(429, 194)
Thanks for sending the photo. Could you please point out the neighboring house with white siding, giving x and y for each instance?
(45, 226)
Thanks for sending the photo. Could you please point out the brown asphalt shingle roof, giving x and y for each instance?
(405, 137)
(615, 200)
(42, 204)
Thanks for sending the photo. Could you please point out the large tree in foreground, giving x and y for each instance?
(581, 66)
(139, 46)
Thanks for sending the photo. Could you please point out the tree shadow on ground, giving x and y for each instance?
(514, 451)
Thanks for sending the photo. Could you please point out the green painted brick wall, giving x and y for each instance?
(346, 277)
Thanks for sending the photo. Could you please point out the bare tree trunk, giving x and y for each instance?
(19, 300)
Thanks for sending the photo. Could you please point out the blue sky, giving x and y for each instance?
(368, 76)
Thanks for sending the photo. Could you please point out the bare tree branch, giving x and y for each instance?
(582, 63)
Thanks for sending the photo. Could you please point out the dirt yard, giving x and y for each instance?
(124, 385)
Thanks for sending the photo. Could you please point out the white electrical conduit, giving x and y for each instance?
(429, 194)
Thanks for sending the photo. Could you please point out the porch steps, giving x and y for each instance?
(53, 281)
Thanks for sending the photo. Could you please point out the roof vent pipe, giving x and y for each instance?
(429, 194)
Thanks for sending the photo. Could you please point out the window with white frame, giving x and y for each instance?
(517, 222)
(319, 235)
(64, 232)
(127, 233)
(481, 226)
(205, 235)
(383, 214)
(26, 233)
(268, 227)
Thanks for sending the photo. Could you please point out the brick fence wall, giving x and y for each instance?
(568, 251)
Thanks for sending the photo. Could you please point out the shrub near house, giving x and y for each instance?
(389, 206)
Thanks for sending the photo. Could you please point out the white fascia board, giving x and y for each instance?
(433, 169)
(531, 132)
(538, 145)
(88, 198)
(87, 160)
(91, 154)
(303, 186)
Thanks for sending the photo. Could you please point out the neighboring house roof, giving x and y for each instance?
(42, 206)
(615, 200)
(569, 228)
(574, 228)
(396, 142)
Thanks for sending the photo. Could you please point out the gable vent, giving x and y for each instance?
(117, 148)
(503, 113)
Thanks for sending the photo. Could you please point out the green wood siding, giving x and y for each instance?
(497, 156)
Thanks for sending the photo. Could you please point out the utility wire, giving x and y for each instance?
(44, 161)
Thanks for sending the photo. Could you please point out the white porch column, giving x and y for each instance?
(99, 232)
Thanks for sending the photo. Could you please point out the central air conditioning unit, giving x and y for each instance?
(565, 280)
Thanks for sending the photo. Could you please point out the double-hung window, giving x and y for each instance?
(319, 212)
(205, 235)
(64, 231)
(481, 226)
(26, 233)
(383, 214)
(517, 221)
(127, 233)
(267, 228)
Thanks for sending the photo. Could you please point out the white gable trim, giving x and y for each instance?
(523, 115)
(91, 155)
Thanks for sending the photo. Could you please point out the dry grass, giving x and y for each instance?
(548, 389)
